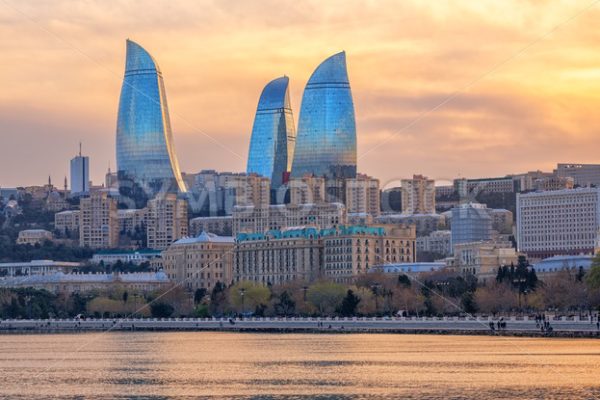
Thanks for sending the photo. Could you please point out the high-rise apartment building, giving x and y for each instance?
(98, 221)
(363, 195)
(308, 189)
(559, 222)
(326, 141)
(418, 195)
(146, 160)
(217, 193)
(166, 221)
(273, 134)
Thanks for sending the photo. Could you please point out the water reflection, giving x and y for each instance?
(269, 366)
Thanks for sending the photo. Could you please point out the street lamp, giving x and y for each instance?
(520, 281)
(375, 289)
(304, 290)
(242, 293)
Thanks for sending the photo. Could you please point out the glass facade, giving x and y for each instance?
(273, 134)
(326, 143)
(146, 158)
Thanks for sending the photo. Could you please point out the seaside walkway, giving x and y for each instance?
(561, 326)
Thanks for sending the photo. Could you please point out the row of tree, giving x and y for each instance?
(516, 289)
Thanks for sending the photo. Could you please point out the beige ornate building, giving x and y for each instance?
(278, 256)
(351, 251)
(200, 262)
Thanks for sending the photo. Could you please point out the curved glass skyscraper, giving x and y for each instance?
(273, 134)
(146, 160)
(326, 143)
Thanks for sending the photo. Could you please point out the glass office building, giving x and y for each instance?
(146, 158)
(273, 134)
(326, 142)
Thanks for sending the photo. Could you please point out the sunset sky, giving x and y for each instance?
(441, 88)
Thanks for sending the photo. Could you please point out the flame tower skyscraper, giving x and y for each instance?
(146, 160)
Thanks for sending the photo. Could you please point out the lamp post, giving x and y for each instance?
(375, 289)
(304, 290)
(242, 293)
(520, 281)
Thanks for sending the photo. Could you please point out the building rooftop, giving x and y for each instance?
(206, 237)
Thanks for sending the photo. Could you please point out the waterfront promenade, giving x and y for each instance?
(519, 326)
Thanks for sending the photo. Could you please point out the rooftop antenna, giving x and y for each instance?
(79, 149)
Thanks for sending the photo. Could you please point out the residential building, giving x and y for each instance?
(281, 216)
(502, 220)
(200, 262)
(98, 221)
(273, 134)
(326, 141)
(558, 222)
(308, 189)
(437, 242)
(222, 226)
(34, 236)
(470, 188)
(67, 222)
(132, 220)
(146, 160)
(363, 195)
(216, 193)
(424, 223)
(418, 195)
(166, 221)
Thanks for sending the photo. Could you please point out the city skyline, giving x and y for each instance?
(526, 82)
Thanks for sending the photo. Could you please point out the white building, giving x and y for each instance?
(559, 222)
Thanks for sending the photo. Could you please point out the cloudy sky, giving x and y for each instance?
(444, 88)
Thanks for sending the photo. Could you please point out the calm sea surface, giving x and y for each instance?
(286, 366)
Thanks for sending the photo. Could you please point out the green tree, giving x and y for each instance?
(247, 295)
(326, 296)
(199, 295)
(349, 304)
(593, 277)
(286, 304)
(161, 310)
